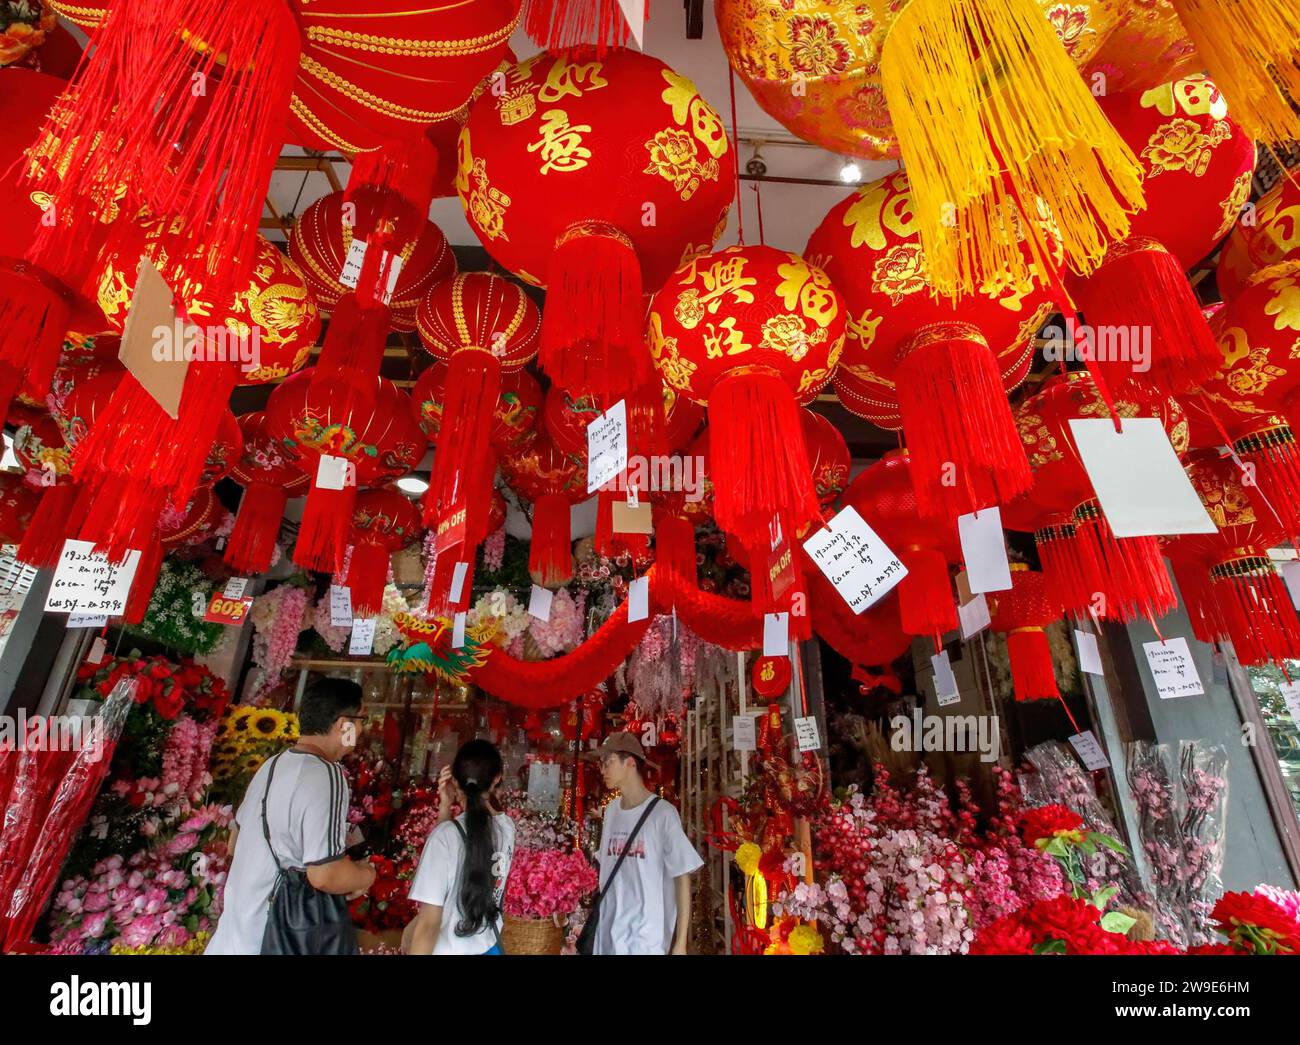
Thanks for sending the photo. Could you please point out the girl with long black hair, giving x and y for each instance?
(461, 878)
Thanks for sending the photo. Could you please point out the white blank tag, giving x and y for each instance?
(974, 616)
(743, 736)
(638, 599)
(1089, 751)
(984, 550)
(363, 637)
(945, 682)
(1172, 668)
(607, 446)
(1089, 654)
(1137, 478)
(539, 603)
(99, 647)
(776, 634)
(458, 573)
(331, 472)
(458, 631)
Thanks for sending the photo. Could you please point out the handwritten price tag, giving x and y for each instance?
(855, 560)
(1173, 669)
(222, 610)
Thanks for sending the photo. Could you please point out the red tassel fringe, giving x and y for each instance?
(1250, 606)
(56, 519)
(1141, 288)
(1276, 458)
(757, 459)
(323, 532)
(257, 525)
(1032, 677)
(144, 582)
(1067, 584)
(34, 315)
(966, 452)
(367, 577)
(560, 24)
(463, 461)
(593, 339)
(1128, 572)
(675, 552)
(925, 600)
(550, 554)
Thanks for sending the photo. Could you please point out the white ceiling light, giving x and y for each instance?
(412, 485)
(850, 173)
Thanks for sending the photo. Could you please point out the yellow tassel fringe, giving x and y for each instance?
(1010, 159)
(1251, 48)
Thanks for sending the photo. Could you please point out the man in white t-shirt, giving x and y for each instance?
(647, 908)
(306, 813)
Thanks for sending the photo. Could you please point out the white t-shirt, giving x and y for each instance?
(437, 882)
(639, 913)
(307, 812)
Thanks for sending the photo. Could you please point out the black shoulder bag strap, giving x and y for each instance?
(627, 846)
(266, 829)
(461, 870)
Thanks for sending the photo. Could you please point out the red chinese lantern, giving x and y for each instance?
(480, 325)
(1144, 323)
(1147, 47)
(321, 239)
(1128, 573)
(828, 457)
(270, 476)
(749, 332)
(1022, 613)
(310, 420)
(1271, 236)
(942, 366)
(1054, 538)
(554, 481)
(383, 521)
(519, 406)
(18, 503)
(884, 495)
(595, 176)
(1229, 583)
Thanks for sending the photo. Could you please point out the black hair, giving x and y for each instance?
(475, 769)
(323, 703)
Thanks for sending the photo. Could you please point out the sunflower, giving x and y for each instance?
(266, 724)
(239, 717)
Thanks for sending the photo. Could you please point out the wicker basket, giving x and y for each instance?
(531, 936)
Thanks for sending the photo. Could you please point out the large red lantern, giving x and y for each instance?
(270, 476)
(1126, 576)
(320, 241)
(519, 406)
(884, 495)
(480, 325)
(1144, 322)
(1147, 47)
(1229, 583)
(750, 332)
(943, 366)
(383, 521)
(595, 176)
(1022, 613)
(1269, 237)
(311, 420)
(554, 481)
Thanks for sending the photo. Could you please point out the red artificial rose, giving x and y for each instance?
(1005, 936)
(169, 704)
(136, 800)
(1256, 924)
(1047, 821)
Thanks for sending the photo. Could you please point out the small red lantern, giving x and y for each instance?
(595, 175)
(554, 481)
(270, 476)
(1269, 238)
(383, 521)
(1022, 613)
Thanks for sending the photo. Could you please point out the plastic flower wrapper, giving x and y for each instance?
(1155, 795)
(1204, 772)
(335, 636)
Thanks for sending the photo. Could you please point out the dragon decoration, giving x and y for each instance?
(427, 650)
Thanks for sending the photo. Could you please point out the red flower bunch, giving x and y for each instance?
(387, 905)
(1254, 924)
(168, 688)
(1061, 925)
(1050, 822)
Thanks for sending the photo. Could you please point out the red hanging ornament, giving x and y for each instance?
(269, 476)
(384, 521)
(770, 676)
(1229, 583)
(1125, 576)
(176, 528)
(554, 481)
(750, 332)
(1022, 613)
(378, 444)
(519, 405)
(594, 176)
(1269, 236)
(939, 366)
(18, 504)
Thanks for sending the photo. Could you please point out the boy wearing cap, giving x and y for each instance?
(646, 908)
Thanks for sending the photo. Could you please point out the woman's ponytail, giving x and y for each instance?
(476, 768)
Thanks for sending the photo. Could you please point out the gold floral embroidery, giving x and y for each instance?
(900, 272)
(560, 143)
(1181, 145)
(815, 47)
(1253, 380)
(676, 371)
(485, 205)
(672, 155)
(1071, 24)
(786, 334)
(1233, 202)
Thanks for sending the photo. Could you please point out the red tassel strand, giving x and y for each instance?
(675, 552)
(1276, 458)
(757, 459)
(550, 553)
(251, 546)
(55, 520)
(367, 577)
(966, 452)
(1065, 578)
(463, 460)
(1022, 612)
(1030, 654)
(1253, 610)
(1151, 318)
(925, 601)
(144, 582)
(593, 339)
(323, 531)
(560, 24)
(1129, 572)
(34, 314)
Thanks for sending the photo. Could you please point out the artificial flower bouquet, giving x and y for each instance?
(1065, 925)
(245, 738)
(548, 883)
(1266, 921)
(1061, 834)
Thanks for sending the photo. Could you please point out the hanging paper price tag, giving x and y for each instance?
(340, 606)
